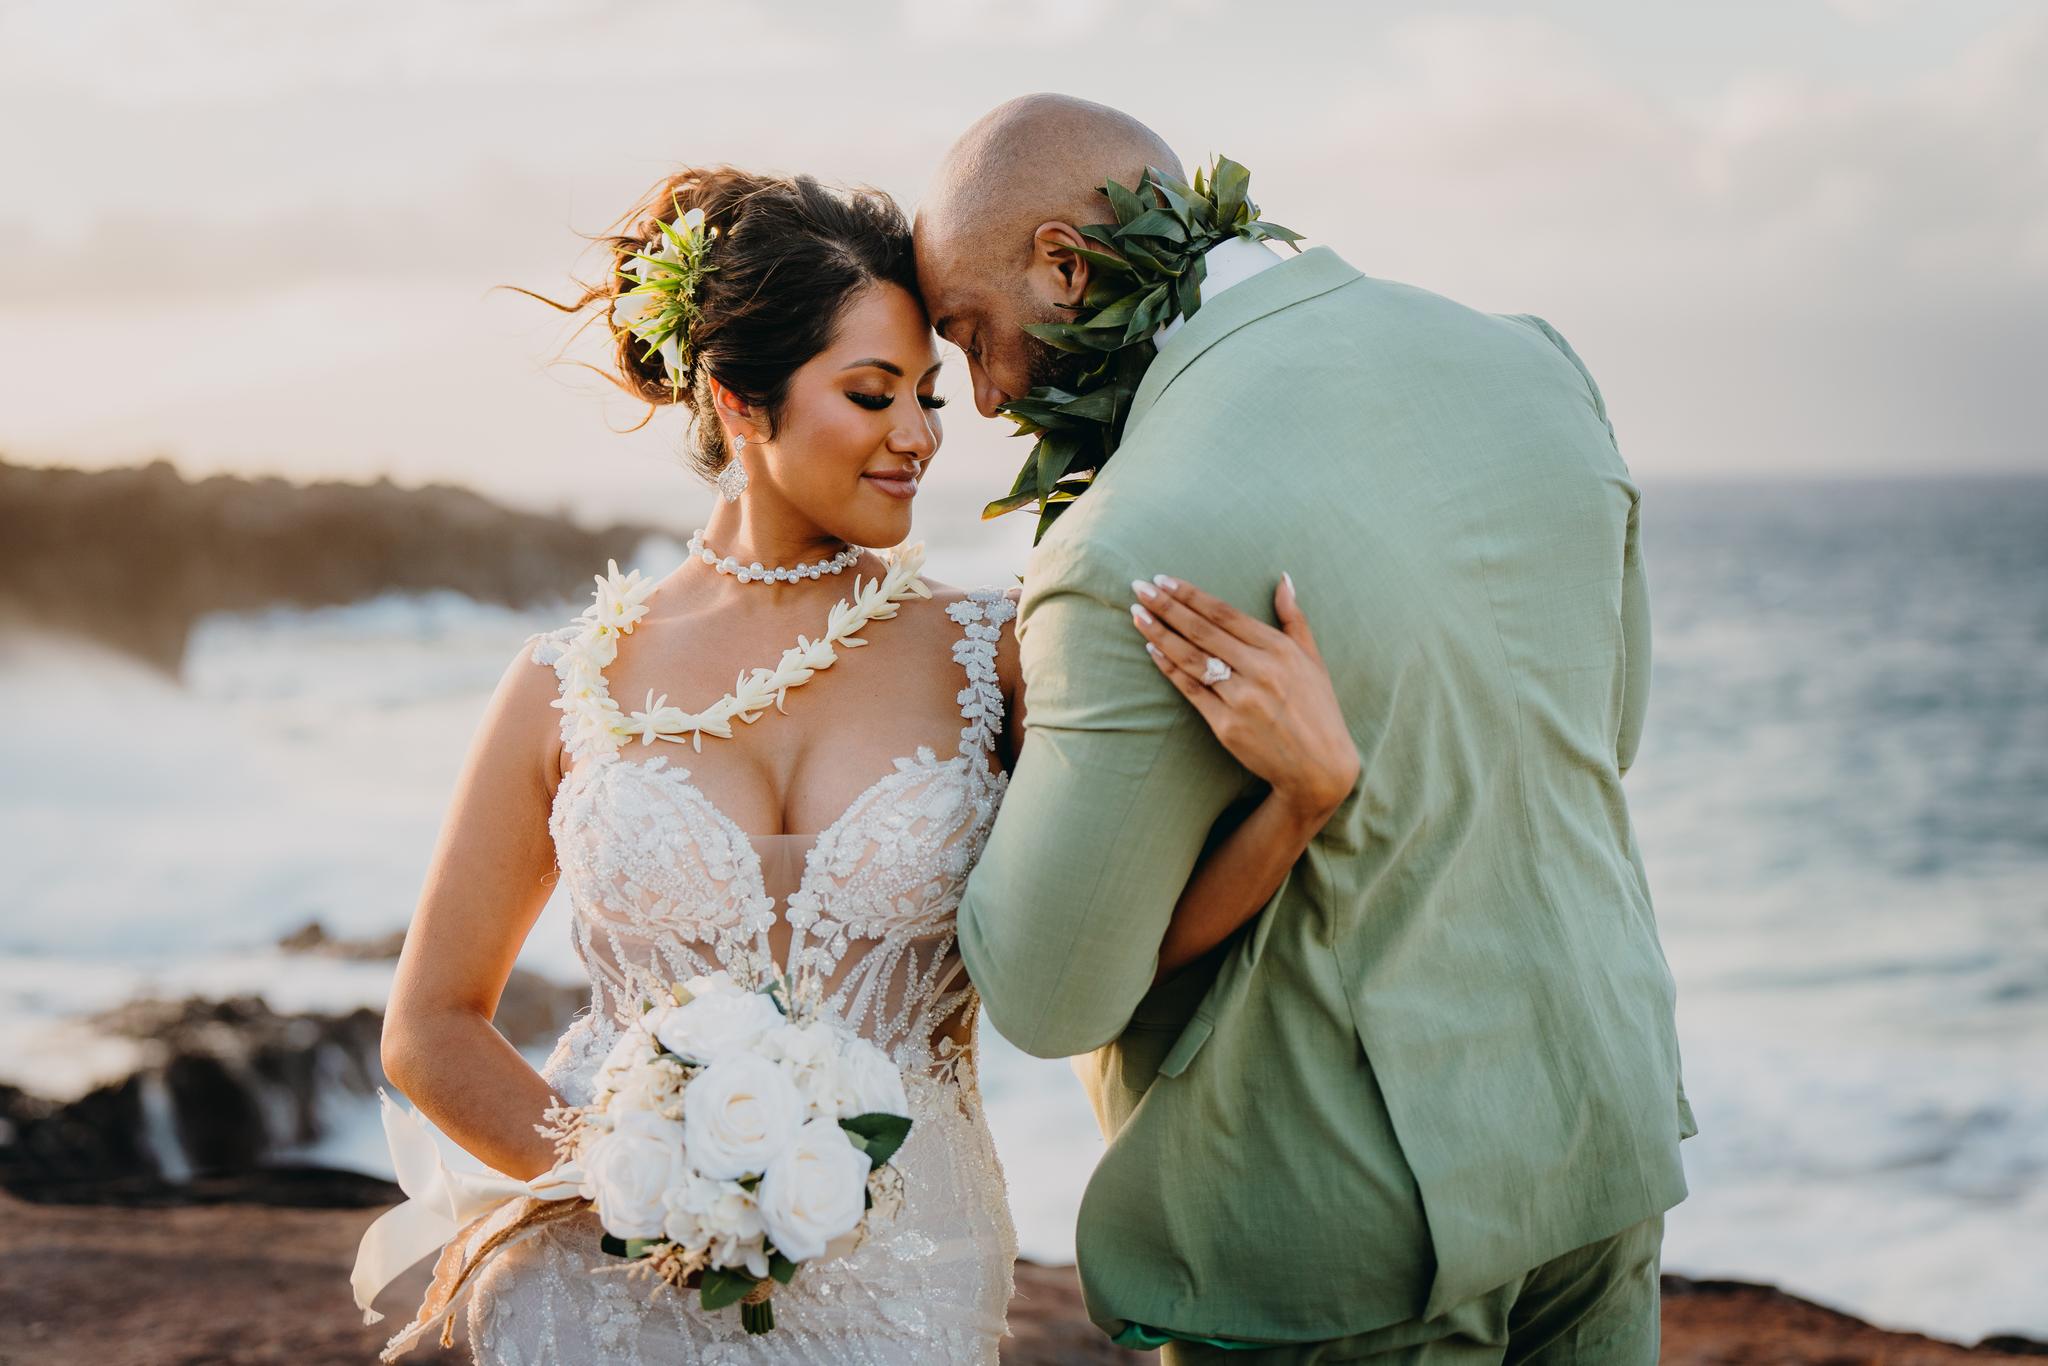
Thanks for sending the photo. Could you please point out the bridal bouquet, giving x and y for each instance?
(735, 1135)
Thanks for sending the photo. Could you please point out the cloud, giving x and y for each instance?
(1774, 263)
(1791, 273)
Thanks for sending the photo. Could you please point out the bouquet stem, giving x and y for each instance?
(757, 1310)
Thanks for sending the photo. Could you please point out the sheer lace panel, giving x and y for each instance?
(664, 885)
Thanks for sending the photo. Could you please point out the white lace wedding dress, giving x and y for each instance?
(664, 886)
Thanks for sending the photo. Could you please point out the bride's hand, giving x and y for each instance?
(1277, 711)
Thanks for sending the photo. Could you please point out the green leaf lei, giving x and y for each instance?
(1148, 268)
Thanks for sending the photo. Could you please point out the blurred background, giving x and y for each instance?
(285, 484)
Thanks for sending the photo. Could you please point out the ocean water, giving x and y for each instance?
(1842, 799)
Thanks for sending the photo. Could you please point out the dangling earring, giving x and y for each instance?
(732, 480)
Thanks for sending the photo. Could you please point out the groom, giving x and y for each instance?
(1427, 1106)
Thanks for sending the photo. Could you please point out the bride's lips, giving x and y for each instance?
(895, 483)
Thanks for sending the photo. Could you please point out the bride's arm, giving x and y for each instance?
(1278, 715)
(491, 873)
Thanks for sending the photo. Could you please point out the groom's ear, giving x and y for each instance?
(1058, 274)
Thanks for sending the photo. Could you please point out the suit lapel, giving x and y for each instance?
(1316, 271)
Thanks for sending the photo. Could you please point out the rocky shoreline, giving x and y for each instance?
(153, 552)
(235, 1283)
(150, 1220)
(220, 1088)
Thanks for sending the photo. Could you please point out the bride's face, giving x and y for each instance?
(860, 423)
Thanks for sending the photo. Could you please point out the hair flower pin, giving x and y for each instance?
(659, 306)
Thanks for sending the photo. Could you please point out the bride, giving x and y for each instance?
(829, 825)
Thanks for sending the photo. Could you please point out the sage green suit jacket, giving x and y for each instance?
(1445, 1052)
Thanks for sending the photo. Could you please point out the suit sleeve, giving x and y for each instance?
(1114, 793)
(1635, 594)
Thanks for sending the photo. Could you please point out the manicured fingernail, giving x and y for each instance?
(1153, 650)
(1166, 582)
(1141, 616)
(1143, 589)
(1287, 579)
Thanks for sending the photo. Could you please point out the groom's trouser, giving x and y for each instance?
(1595, 1306)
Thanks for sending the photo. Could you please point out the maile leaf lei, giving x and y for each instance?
(1144, 269)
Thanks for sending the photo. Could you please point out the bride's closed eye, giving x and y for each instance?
(877, 402)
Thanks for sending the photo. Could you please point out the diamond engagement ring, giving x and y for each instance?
(1215, 671)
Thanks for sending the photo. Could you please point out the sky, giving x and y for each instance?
(1790, 238)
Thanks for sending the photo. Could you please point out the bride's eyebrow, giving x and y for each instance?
(892, 367)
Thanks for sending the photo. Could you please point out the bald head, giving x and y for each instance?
(1035, 158)
(988, 249)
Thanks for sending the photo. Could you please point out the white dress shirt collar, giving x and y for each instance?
(1230, 262)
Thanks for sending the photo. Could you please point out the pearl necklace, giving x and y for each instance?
(755, 573)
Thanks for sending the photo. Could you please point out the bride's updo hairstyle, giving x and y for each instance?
(788, 256)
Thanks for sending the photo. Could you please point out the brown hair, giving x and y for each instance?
(789, 255)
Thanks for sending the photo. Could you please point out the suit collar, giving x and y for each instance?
(1315, 271)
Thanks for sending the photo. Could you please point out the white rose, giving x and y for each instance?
(633, 1048)
(738, 1114)
(644, 1086)
(814, 1192)
(712, 984)
(876, 1082)
(629, 1171)
(716, 1026)
(811, 1054)
(720, 1217)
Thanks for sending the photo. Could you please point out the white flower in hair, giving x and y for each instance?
(657, 299)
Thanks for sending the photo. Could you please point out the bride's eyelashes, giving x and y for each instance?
(876, 402)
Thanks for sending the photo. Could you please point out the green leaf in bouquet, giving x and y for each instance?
(723, 1287)
(877, 1135)
(781, 1268)
(627, 1247)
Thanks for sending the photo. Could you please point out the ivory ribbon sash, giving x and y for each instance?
(442, 1202)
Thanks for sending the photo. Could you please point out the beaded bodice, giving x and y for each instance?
(663, 885)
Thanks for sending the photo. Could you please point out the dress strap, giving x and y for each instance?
(981, 615)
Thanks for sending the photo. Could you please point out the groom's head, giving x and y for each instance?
(995, 236)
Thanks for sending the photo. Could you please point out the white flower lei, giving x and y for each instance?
(592, 720)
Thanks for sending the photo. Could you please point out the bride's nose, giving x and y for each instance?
(918, 437)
